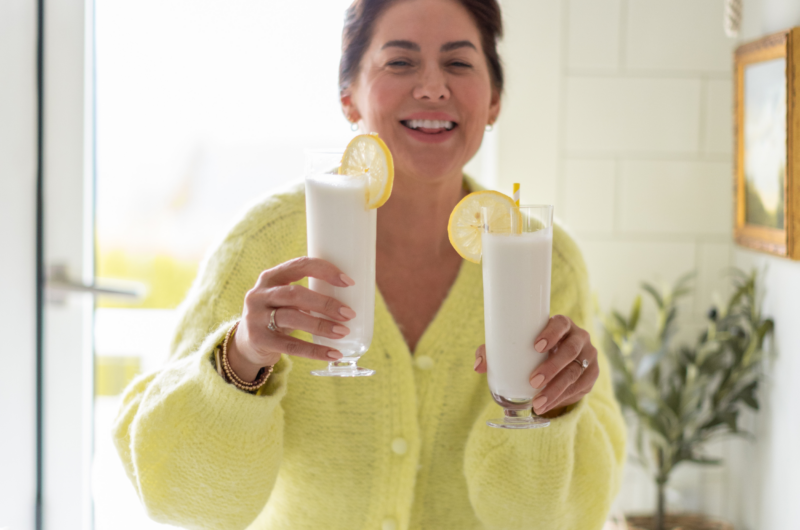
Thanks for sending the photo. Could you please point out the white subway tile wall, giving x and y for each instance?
(712, 287)
(718, 119)
(675, 197)
(678, 36)
(617, 266)
(632, 115)
(589, 187)
(594, 34)
(528, 128)
(643, 149)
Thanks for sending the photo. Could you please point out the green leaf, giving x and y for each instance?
(684, 280)
(683, 291)
(626, 397)
(747, 395)
(667, 322)
(706, 461)
(730, 418)
(751, 401)
(620, 320)
(635, 312)
(736, 298)
(714, 361)
(654, 293)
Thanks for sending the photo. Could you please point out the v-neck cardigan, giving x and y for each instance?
(407, 448)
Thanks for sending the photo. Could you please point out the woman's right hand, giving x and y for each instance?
(255, 345)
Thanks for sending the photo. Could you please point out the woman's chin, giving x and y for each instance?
(428, 165)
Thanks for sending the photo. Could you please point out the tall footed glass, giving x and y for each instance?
(516, 300)
(341, 230)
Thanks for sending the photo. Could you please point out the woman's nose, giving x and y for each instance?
(432, 86)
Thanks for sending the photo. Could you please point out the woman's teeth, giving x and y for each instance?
(429, 124)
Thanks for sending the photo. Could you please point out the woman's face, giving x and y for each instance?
(424, 87)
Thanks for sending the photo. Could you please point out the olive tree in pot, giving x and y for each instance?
(682, 396)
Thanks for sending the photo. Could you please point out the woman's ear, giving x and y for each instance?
(494, 106)
(348, 108)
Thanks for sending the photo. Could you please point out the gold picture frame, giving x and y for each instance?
(767, 135)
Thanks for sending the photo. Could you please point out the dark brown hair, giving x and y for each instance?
(359, 22)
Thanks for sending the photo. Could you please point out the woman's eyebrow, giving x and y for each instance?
(449, 46)
(413, 46)
(405, 44)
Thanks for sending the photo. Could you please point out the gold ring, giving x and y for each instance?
(272, 326)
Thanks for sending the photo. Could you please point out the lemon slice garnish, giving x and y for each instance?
(366, 154)
(465, 225)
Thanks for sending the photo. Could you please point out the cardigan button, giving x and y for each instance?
(399, 446)
(424, 362)
(389, 524)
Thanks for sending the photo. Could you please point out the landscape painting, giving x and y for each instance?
(765, 143)
(766, 125)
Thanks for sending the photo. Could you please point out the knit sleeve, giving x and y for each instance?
(564, 476)
(200, 452)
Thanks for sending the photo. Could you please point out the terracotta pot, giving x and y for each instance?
(678, 522)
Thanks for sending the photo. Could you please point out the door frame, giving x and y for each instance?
(66, 381)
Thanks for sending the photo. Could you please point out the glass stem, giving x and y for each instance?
(517, 414)
(344, 364)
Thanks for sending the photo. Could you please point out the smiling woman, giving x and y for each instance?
(407, 447)
(434, 52)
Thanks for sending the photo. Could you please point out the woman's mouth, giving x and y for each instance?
(430, 126)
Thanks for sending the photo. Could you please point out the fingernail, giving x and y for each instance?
(335, 355)
(346, 312)
(538, 402)
(537, 381)
(478, 362)
(540, 346)
(347, 279)
(340, 330)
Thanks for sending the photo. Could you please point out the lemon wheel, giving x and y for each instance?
(465, 225)
(368, 154)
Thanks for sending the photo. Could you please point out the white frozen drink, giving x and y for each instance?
(516, 301)
(341, 230)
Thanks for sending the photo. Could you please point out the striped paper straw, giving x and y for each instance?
(516, 193)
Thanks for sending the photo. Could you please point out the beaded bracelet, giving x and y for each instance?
(224, 367)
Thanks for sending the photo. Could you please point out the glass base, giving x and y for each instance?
(519, 419)
(343, 368)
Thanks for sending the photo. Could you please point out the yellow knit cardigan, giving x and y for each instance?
(407, 448)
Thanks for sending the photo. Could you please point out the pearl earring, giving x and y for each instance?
(490, 127)
(354, 126)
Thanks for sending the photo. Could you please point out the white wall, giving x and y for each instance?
(646, 170)
(620, 113)
(17, 262)
(771, 468)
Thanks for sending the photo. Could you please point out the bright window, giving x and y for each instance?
(202, 107)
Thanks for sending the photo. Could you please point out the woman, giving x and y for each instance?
(408, 447)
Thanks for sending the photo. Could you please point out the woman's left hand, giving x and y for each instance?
(562, 380)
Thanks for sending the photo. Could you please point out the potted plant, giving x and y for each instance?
(682, 396)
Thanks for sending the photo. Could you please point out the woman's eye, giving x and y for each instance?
(460, 64)
(398, 62)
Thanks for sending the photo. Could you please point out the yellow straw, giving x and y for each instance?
(516, 203)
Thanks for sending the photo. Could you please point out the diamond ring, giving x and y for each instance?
(584, 363)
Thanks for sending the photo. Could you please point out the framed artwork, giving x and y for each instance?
(767, 132)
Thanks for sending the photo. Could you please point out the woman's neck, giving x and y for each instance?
(413, 222)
